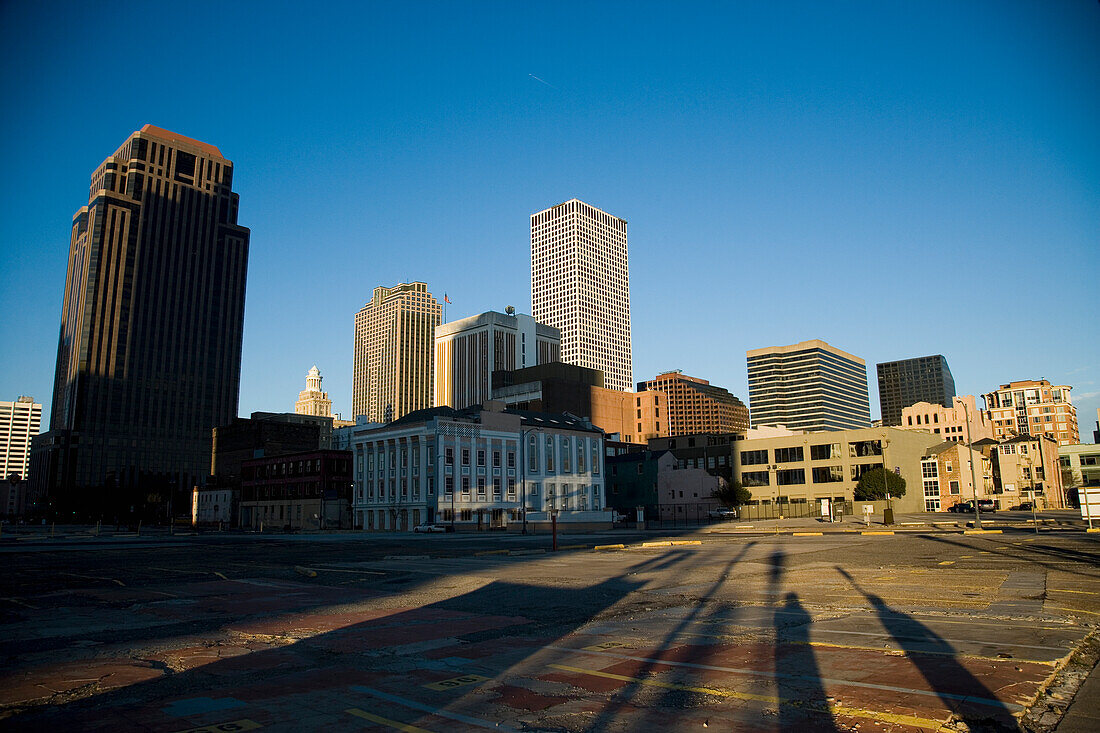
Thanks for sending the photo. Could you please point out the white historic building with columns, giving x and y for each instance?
(476, 469)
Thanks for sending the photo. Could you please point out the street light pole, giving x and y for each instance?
(889, 513)
(1031, 493)
(973, 473)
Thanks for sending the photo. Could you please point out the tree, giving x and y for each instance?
(732, 493)
(872, 486)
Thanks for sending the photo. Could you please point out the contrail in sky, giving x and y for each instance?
(540, 80)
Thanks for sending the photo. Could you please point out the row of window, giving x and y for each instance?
(794, 476)
(826, 451)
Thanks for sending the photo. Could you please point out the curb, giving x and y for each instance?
(609, 547)
(983, 531)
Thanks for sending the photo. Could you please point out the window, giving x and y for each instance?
(449, 456)
(481, 458)
(511, 487)
(950, 467)
(824, 452)
(828, 474)
(754, 457)
(954, 487)
(496, 459)
(449, 484)
(465, 484)
(863, 448)
(788, 455)
(465, 456)
(566, 455)
(790, 476)
(549, 455)
(532, 454)
(511, 459)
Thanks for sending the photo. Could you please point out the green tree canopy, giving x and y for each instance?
(732, 493)
(871, 485)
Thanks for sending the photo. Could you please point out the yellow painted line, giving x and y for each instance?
(685, 542)
(453, 682)
(966, 557)
(948, 562)
(807, 534)
(490, 552)
(234, 725)
(828, 708)
(1073, 610)
(876, 532)
(609, 547)
(573, 547)
(1067, 590)
(220, 575)
(1093, 529)
(656, 544)
(395, 724)
(983, 531)
(605, 645)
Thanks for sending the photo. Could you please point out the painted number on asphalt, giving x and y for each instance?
(605, 645)
(466, 679)
(236, 725)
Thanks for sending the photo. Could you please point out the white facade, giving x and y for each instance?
(468, 351)
(467, 468)
(213, 506)
(19, 423)
(580, 284)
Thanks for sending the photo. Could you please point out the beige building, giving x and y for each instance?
(469, 350)
(19, 423)
(697, 406)
(394, 339)
(1033, 407)
(311, 400)
(1027, 468)
(961, 423)
(580, 284)
(804, 468)
(948, 476)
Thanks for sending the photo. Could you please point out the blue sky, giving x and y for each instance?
(898, 179)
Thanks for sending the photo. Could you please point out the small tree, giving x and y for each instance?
(872, 485)
(732, 493)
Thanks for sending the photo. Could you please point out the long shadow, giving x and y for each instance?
(608, 715)
(1047, 550)
(802, 699)
(471, 633)
(949, 679)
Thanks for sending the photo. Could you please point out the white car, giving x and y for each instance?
(429, 528)
(722, 514)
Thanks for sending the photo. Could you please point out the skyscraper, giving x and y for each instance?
(468, 351)
(149, 355)
(19, 423)
(909, 381)
(394, 337)
(697, 406)
(580, 285)
(808, 386)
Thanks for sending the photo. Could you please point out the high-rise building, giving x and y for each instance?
(149, 356)
(311, 400)
(19, 423)
(1033, 407)
(468, 351)
(394, 335)
(696, 406)
(580, 284)
(909, 381)
(808, 386)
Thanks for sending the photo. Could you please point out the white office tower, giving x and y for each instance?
(580, 284)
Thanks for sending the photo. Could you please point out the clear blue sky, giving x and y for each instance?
(899, 179)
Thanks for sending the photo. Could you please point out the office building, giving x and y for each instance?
(909, 381)
(468, 351)
(480, 468)
(149, 355)
(962, 422)
(565, 388)
(19, 424)
(580, 285)
(394, 347)
(808, 386)
(1033, 407)
(697, 406)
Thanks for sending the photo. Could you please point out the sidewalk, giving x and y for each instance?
(1083, 716)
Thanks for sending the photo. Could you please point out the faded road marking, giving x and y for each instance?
(453, 682)
(235, 725)
(395, 724)
(432, 710)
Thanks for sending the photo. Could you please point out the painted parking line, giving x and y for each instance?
(453, 682)
(231, 727)
(432, 709)
(900, 637)
(828, 709)
(395, 724)
(777, 675)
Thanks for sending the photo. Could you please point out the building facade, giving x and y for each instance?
(149, 354)
(962, 422)
(312, 400)
(20, 422)
(394, 348)
(802, 469)
(1027, 468)
(468, 351)
(565, 388)
(808, 386)
(477, 469)
(697, 406)
(909, 381)
(264, 434)
(1080, 467)
(308, 490)
(948, 476)
(580, 285)
(1033, 407)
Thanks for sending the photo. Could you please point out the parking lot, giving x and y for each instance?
(734, 629)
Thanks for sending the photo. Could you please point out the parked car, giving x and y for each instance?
(1026, 506)
(722, 514)
(431, 528)
(985, 505)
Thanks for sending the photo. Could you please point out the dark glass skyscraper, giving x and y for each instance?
(149, 356)
(909, 381)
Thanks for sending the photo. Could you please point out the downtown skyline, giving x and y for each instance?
(855, 197)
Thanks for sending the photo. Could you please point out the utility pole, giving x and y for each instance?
(973, 474)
